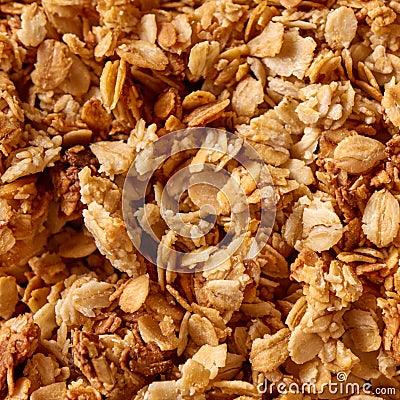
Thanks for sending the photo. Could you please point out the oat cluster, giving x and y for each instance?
(85, 86)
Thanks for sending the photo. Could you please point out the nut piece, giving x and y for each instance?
(357, 154)
(381, 218)
(340, 28)
(135, 293)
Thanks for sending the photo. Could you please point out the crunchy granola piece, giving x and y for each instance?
(83, 298)
(212, 358)
(114, 157)
(380, 15)
(53, 64)
(299, 171)
(390, 340)
(28, 210)
(41, 371)
(42, 153)
(336, 357)
(202, 331)
(175, 36)
(205, 114)
(357, 154)
(391, 101)
(195, 378)
(88, 353)
(10, 133)
(19, 338)
(304, 346)
(49, 267)
(112, 238)
(96, 117)
(269, 42)
(247, 96)
(55, 390)
(8, 296)
(99, 190)
(64, 176)
(33, 27)
(322, 227)
(134, 293)
(269, 352)
(344, 283)
(145, 359)
(77, 390)
(272, 146)
(340, 28)
(329, 105)
(79, 244)
(150, 331)
(167, 104)
(21, 390)
(294, 57)
(202, 57)
(143, 54)
(197, 98)
(222, 294)
(166, 390)
(111, 83)
(381, 218)
(290, 3)
(363, 330)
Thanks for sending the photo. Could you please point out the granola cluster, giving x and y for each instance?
(87, 86)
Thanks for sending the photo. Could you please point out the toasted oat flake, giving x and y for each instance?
(202, 57)
(86, 91)
(322, 228)
(134, 294)
(381, 218)
(143, 54)
(269, 42)
(357, 154)
(269, 352)
(340, 28)
(294, 57)
(391, 101)
(8, 296)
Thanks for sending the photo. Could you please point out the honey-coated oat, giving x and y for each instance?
(87, 88)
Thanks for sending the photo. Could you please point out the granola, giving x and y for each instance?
(86, 91)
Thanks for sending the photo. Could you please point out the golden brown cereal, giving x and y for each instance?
(86, 91)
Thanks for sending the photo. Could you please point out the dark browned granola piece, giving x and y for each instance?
(65, 179)
(19, 338)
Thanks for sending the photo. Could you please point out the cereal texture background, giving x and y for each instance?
(86, 85)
